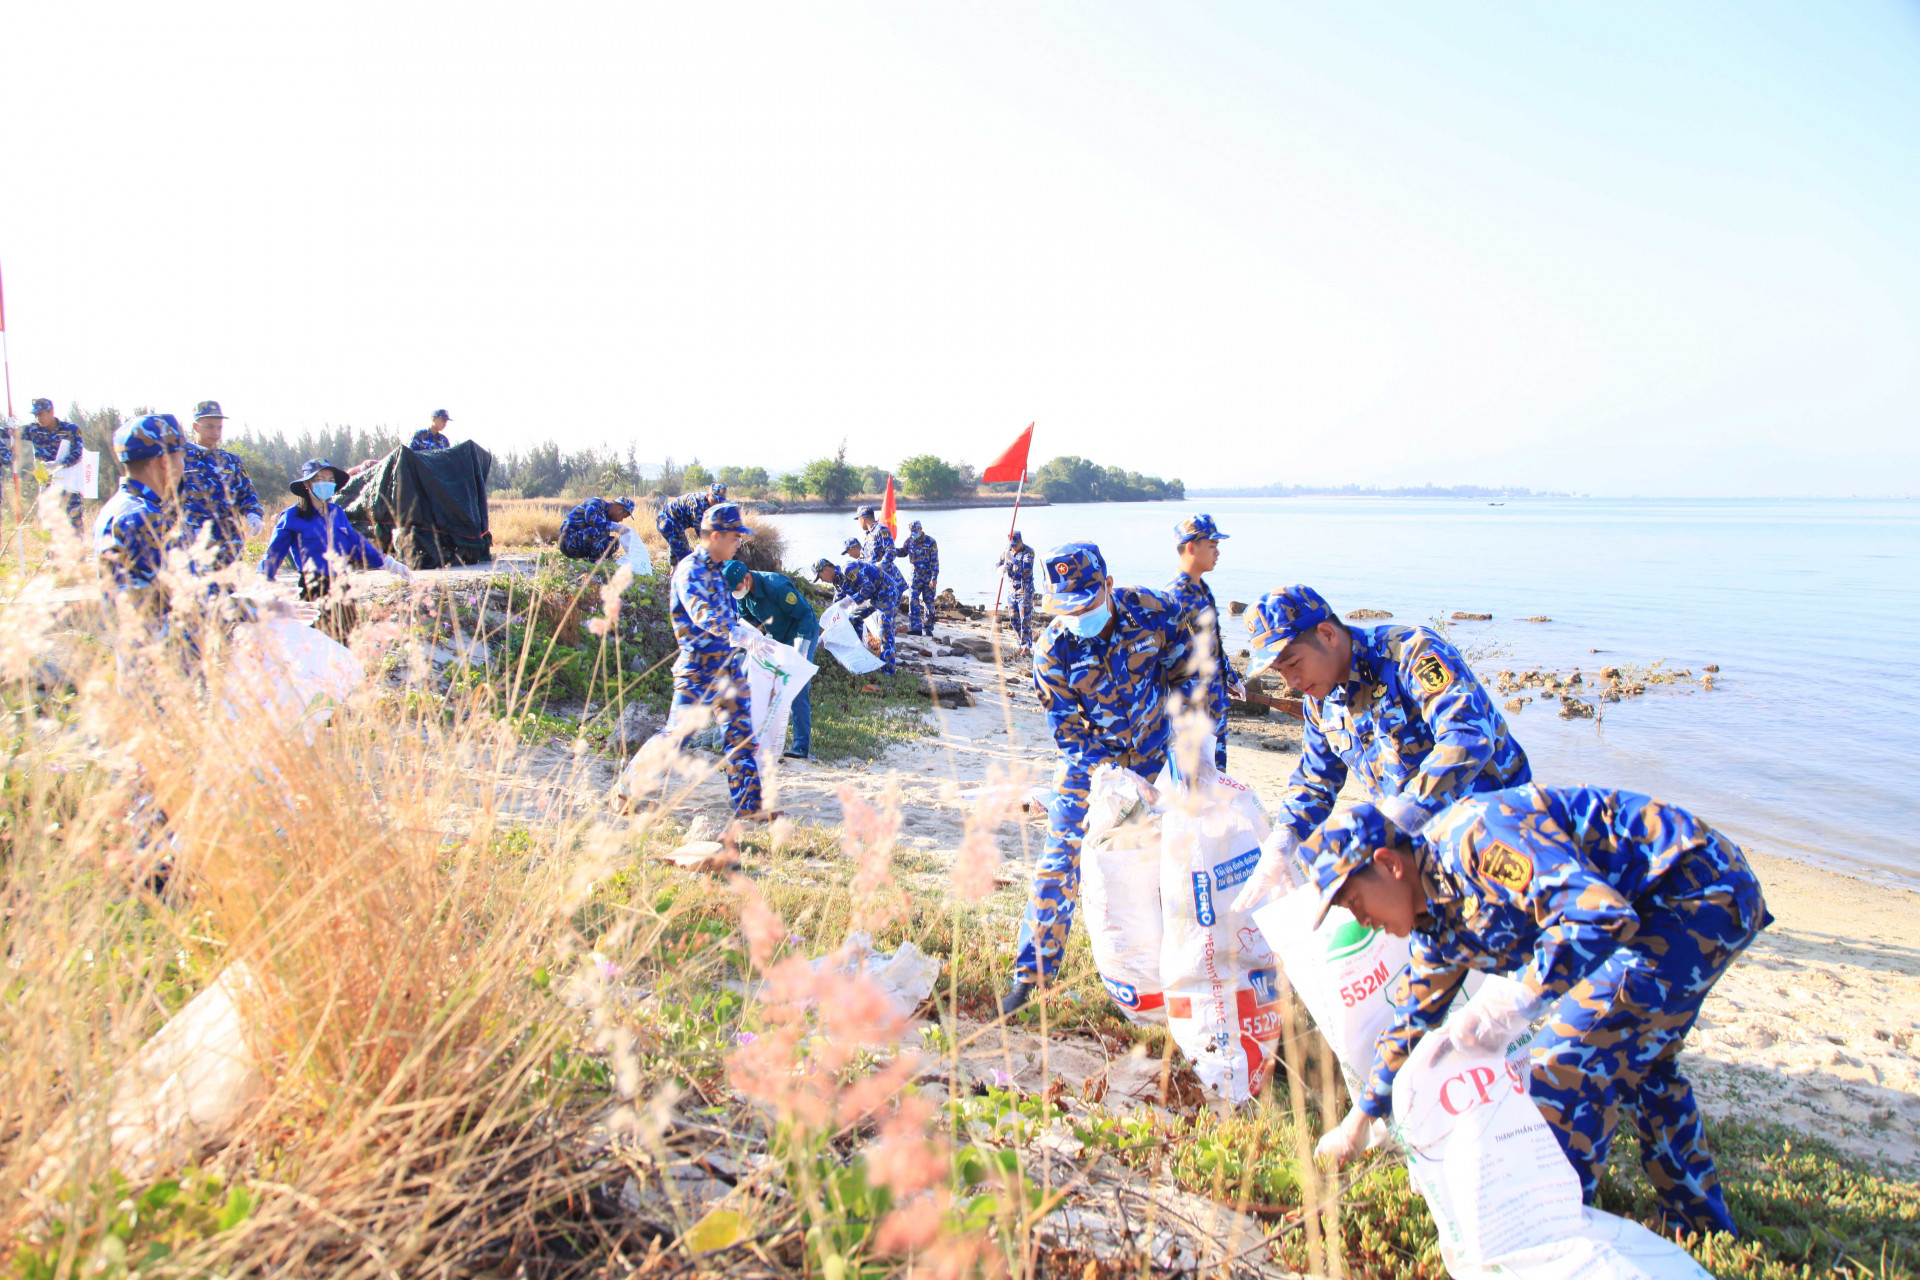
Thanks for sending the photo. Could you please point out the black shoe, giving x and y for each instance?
(796, 755)
(1016, 1000)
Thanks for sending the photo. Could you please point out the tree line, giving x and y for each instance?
(544, 470)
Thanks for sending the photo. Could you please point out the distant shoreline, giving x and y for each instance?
(1356, 491)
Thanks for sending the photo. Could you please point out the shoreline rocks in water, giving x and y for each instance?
(1613, 684)
(1472, 617)
(1367, 615)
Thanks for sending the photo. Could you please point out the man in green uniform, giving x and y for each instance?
(771, 602)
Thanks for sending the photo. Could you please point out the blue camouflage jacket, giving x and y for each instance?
(1106, 697)
(1548, 881)
(215, 492)
(1412, 720)
(923, 553)
(309, 539)
(6, 448)
(589, 528)
(427, 440)
(703, 610)
(46, 441)
(1018, 562)
(858, 580)
(878, 550)
(132, 534)
(685, 511)
(1209, 692)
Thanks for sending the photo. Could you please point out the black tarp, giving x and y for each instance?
(429, 509)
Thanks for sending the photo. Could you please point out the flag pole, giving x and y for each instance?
(19, 502)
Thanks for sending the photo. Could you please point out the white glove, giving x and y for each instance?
(747, 637)
(1403, 813)
(1348, 1139)
(1273, 874)
(804, 647)
(399, 570)
(1498, 1013)
(255, 524)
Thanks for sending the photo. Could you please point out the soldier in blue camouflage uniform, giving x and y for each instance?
(1017, 564)
(6, 445)
(873, 591)
(1396, 706)
(1103, 670)
(1623, 909)
(588, 533)
(680, 516)
(711, 670)
(923, 553)
(432, 438)
(877, 547)
(137, 526)
(54, 443)
(854, 549)
(215, 493)
(1211, 684)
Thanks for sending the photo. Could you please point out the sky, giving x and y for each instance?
(1619, 249)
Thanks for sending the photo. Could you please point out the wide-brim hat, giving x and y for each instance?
(312, 471)
(208, 409)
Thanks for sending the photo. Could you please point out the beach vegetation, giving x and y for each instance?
(1073, 479)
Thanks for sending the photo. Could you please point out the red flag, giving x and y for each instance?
(887, 516)
(1011, 465)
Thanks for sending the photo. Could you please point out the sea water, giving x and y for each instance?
(1808, 746)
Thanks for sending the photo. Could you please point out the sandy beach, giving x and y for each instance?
(1814, 1028)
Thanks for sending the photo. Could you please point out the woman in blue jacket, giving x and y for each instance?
(319, 538)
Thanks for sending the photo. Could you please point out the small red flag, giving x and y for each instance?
(887, 516)
(1011, 465)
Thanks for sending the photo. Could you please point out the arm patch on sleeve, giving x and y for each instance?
(1433, 674)
(1506, 866)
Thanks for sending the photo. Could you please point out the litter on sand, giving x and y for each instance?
(906, 974)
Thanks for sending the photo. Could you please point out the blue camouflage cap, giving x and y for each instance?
(915, 527)
(823, 564)
(734, 572)
(865, 513)
(1200, 526)
(723, 517)
(1075, 573)
(1341, 846)
(441, 415)
(42, 405)
(208, 409)
(1278, 618)
(851, 546)
(717, 490)
(1013, 536)
(628, 503)
(148, 436)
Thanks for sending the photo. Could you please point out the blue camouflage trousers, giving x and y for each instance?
(1021, 606)
(888, 607)
(920, 605)
(1056, 881)
(719, 681)
(676, 537)
(1614, 1040)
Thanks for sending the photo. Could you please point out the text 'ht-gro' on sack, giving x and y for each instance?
(1222, 989)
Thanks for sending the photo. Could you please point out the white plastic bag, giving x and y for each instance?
(1501, 1192)
(907, 974)
(284, 668)
(1219, 974)
(1345, 974)
(775, 675)
(838, 638)
(80, 477)
(1120, 890)
(634, 554)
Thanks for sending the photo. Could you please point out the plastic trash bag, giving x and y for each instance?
(291, 672)
(1344, 973)
(775, 675)
(1120, 890)
(838, 637)
(906, 974)
(1501, 1192)
(634, 554)
(1219, 974)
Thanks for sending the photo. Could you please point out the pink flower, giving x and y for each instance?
(910, 1228)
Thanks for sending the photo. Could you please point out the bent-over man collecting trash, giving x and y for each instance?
(872, 592)
(1623, 909)
(1396, 705)
(1103, 668)
(711, 670)
(588, 531)
(683, 515)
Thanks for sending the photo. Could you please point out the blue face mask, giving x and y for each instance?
(322, 489)
(1089, 624)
